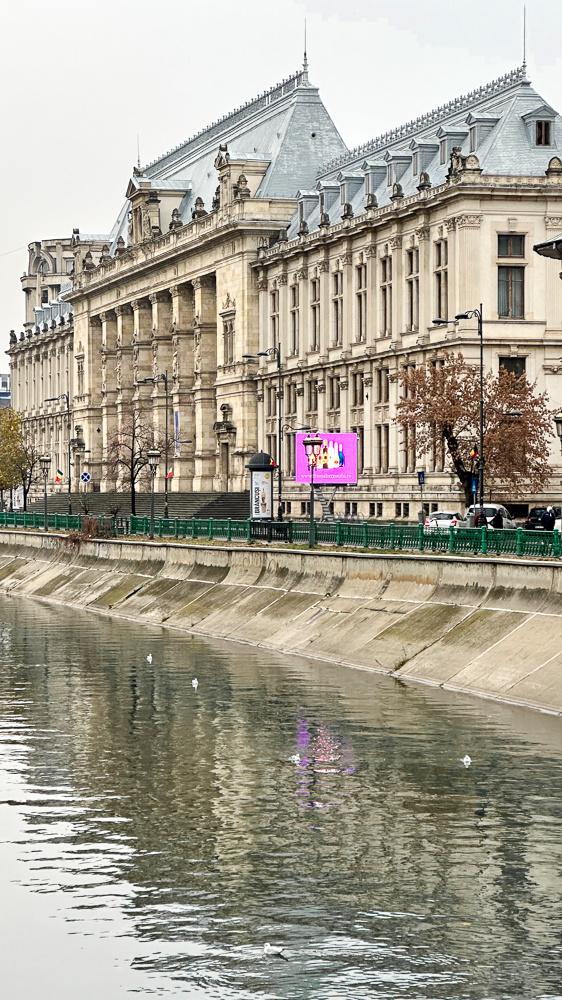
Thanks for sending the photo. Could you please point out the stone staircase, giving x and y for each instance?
(182, 505)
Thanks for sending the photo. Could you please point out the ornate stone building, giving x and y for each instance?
(265, 229)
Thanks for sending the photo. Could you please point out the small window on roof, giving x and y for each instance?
(543, 134)
(443, 151)
(472, 135)
(415, 167)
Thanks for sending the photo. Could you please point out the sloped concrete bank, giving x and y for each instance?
(485, 627)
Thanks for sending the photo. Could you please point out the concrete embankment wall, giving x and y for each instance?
(487, 627)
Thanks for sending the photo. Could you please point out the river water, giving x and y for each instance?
(154, 836)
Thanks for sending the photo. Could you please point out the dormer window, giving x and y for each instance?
(542, 134)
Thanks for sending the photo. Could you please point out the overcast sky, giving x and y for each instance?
(78, 81)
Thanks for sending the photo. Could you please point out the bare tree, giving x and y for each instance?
(126, 454)
(440, 407)
(19, 456)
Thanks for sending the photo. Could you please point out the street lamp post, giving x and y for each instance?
(163, 377)
(45, 462)
(312, 447)
(52, 399)
(468, 315)
(275, 352)
(153, 458)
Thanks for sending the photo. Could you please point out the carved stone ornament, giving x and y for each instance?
(324, 266)
(346, 258)
(344, 383)
(197, 355)
(262, 284)
(146, 223)
(469, 221)
(228, 303)
(395, 242)
(553, 222)
(103, 378)
(450, 224)
(321, 386)
(118, 374)
(175, 221)
(282, 279)
(371, 251)
(422, 233)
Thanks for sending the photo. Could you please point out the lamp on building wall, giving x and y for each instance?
(275, 352)
(53, 399)
(45, 463)
(153, 459)
(312, 447)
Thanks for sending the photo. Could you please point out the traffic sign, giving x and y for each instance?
(421, 478)
(474, 484)
(85, 477)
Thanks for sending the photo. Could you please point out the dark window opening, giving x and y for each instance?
(543, 134)
(511, 246)
(510, 292)
(514, 365)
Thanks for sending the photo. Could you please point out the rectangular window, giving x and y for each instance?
(80, 377)
(415, 164)
(511, 245)
(386, 296)
(511, 292)
(334, 393)
(315, 306)
(271, 445)
(290, 398)
(443, 151)
(360, 431)
(69, 266)
(271, 396)
(361, 296)
(543, 134)
(382, 384)
(398, 510)
(294, 319)
(312, 387)
(405, 510)
(412, 286)
(379, 509)
(228, 341)
(472, 138)
(274, 317)
(441, 280)
(357, 389)
(337, 307)
(514, 365)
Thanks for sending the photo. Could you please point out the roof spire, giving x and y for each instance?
(305, 60)
(524, 66)
(138, 152)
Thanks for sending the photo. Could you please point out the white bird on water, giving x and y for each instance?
(195, 684)
(295, 759)
(467, 761)
(271, 951)
(149, 658)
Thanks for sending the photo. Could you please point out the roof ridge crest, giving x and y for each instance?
(262, 100)
(464, 102)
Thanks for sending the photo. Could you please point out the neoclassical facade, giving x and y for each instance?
(264, 230)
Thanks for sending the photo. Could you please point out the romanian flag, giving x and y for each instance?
(58, 477)
(170, 472)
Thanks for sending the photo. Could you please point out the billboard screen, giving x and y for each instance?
(337, 462)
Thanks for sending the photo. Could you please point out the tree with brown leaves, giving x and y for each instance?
(19, 456)
(440, 407)
(126, 454)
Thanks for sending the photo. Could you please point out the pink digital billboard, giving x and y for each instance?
(336, 463)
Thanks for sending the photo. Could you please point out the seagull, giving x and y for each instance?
(195, 684)
(296, 758)
(271, 951)
(467, 761)
(149, 658)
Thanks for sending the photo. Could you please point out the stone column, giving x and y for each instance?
(205, 372)
(161, 303)
(452, 267)
(348, 332)
(426, 284)
(181, 385)
(344, 402)
(123, 367)
(468, 247)
(141, 347)
(372, 294)
(108, 388)
(395, 246)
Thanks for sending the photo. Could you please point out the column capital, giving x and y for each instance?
(123, 308)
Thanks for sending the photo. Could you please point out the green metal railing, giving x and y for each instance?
(382, 537)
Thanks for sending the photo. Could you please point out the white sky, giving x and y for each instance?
(79, 80)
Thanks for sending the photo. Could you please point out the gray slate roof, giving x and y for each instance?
(503, 112)
(288, 125)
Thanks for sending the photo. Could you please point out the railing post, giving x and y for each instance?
(249, 530)
(176, 528)
(451, 538)
(290, 537)
(520, 542)
(484, 539)
(339, 535)
(556, 543)
(365, 539)
(193, 529)
(391, 536)
(159, 527)
(421, 536)
(210, 528)
(229, 529)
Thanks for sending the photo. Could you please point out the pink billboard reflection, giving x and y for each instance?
(337, 462)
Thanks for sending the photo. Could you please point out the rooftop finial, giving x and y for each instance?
(138, 152)
(305, 60)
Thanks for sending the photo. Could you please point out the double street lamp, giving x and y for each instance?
(153, 459)
(312, 447)
(45, 463)
(163, 377)
(275, 352)
(54, 399)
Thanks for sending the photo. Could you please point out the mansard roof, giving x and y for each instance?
(287, 127)
(502, 114)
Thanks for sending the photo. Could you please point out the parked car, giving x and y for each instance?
(533, 519)
(442, 519)
(490, 511)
